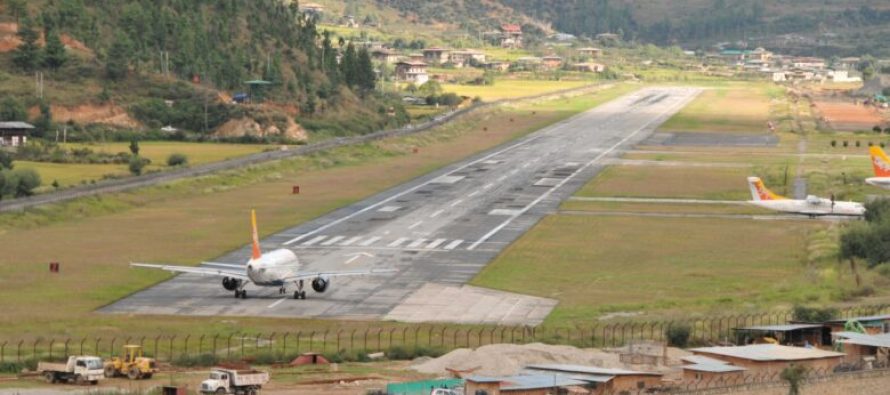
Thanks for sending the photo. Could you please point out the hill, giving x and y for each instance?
(180, 62)
(806, 27)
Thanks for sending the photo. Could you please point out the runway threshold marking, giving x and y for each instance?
(315, 240)
(351, 241)
(369, 241)
(398, 241)
(409, 190)
(547, 193)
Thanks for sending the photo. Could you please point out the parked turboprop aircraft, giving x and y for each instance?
(812, 206)
(881, 163)
(274, 269)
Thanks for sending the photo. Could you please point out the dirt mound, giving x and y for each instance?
(106, 114)
(249, 127)
(507, 359)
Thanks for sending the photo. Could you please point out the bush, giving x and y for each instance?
(137, 164)
(402, 353)
(177, 159)
(813, 314)
(678, 335)
(196, 360)
(876, 129)
(846, 144)
(833, 143)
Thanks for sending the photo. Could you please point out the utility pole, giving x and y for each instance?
(38, 84)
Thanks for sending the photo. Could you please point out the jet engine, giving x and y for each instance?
(320, 285)
(231, 284)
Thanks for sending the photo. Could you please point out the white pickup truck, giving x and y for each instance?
(79, 369)
(238, 382)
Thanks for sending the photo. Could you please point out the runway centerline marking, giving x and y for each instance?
(682, 102)
(436, 214)
(489, 185)
(473, 194)
(456, 202)
(416, 224)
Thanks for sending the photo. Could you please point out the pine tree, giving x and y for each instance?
(117, 62)
(27, 55)
(367, 80)
(54, 54)
(348, 66)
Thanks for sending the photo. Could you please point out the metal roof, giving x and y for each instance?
(528, 382)
(714, 368)
(15, 125)
(703, 360)
(589, 370)
(882, 317)
(780, 328)
(768, 352)
(861, 339)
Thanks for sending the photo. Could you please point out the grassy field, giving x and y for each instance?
(582, 206)
(197, 219)
(596, 265)
(157, 151)
(508, 89)
(742, 108)
(670, 182)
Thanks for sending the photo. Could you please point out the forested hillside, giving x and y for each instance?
(817, 27)
(133, 48)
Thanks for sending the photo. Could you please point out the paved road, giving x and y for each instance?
(441, 228)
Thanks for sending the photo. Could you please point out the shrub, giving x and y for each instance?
(813, 314)
(876, 129)
(846, 144)
(137, 164)
(834, 143)
(177, 159)
(196, 360)
(857, 143)
(678, 335)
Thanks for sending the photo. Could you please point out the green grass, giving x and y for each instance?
(507, 89)
(197, 219)
(595, 265)
(71, 174)
(671, 182)
(738, 108)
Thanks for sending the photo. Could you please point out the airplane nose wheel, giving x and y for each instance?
(241, 294)
(282, 291)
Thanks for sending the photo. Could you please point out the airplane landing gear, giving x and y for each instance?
(282, 291)
(240, 293)
(300, 293)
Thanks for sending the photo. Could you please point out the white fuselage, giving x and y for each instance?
(812, 206)
(273, 267)
(880, 182)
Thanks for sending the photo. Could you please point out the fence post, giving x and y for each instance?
(18, 351)
(365, 344)
(200, 345)
(111, 350)
(324, 341)
(186, 344)
(416, 334)
(352, 340)
(157, 340)
(214, 344)
(391, 330)
(3, 351)
(67, 340)
(34, 348)
(284, 346)
(51, 343)
(338, 340)
(170, 355)
(271, 341)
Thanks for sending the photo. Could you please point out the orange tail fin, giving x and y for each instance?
(760, 191)
(879, 161)
(256, 238)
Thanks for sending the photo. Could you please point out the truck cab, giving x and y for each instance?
(230, 381)
(78, 369)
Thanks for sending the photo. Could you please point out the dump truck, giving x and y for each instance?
(80, 369)
(231, 381)
(133, 364)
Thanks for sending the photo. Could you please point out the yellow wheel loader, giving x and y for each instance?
(132, 364)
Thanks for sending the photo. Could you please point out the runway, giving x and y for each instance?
(442, 228)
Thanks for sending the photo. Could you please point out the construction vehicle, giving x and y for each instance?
(133, 364)
(231, 381)
(80, 369)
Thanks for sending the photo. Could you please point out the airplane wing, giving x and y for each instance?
(204, 271)
(308, 275)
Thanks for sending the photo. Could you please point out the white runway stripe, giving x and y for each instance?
(453, 244)
(416, 243)
(333, 240)
(351, 241)
(315, 240)
(435, 243)
(369, 241)
(398, 242)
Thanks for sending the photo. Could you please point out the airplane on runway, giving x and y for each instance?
(273, 269)
(812, 206)
(881, 163)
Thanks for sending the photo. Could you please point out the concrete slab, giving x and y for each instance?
(468, 304)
